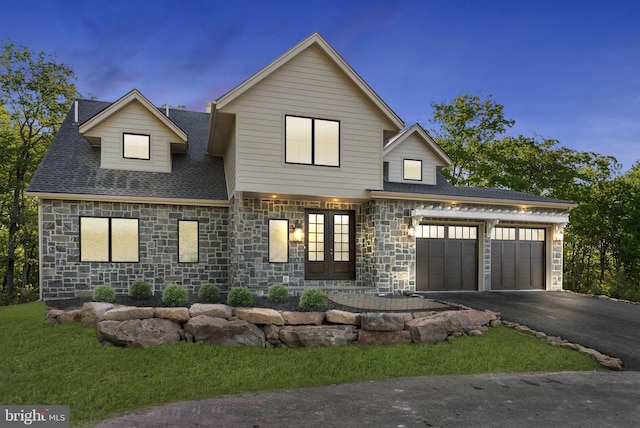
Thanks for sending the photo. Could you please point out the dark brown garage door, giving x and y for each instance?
(446, 258)
(517, 258)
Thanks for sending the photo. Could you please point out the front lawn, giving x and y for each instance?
(65, 364)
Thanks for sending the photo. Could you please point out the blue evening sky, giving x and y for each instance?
(563, 69)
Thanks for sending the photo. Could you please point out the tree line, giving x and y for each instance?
(603, 236)
(601, 240)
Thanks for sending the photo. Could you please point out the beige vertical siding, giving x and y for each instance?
(308, 85)
(412, 148)
(134, 118)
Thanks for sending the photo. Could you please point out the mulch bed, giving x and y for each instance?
(293, 304)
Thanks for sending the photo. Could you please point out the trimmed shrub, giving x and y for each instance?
(209, 293)
(175, 295)
(240, 296)
(104, 293)
(140, 289)
(313, 299)
(278, 293)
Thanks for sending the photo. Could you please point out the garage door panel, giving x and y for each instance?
(518, 259)
(444, 264)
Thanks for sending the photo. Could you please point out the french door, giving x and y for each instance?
(330, 244)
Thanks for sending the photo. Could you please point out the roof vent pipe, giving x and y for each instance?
(167, 109)
(75, 112)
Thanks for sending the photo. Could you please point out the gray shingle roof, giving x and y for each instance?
(72, 166)
(444, 188)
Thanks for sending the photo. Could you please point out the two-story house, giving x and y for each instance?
(300, 175)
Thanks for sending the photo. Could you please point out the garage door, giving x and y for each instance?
(446, 258)
(517, 258)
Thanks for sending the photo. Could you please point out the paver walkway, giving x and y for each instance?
(395, 303)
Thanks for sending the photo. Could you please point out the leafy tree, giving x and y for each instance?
(466, 126)
(35, 94)
(602, 238)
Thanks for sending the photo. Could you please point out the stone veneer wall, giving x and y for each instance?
(556, 264)
(63, 275)
(394, 258)
(249, 243)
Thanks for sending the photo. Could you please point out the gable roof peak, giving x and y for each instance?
(317, 40)
(125, 100)
(423, 135)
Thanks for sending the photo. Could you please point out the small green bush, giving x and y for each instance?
(240, 296)
(104, 293)
(209, 293)
(140, 289)
(278, 293)
(175, 295)
(313, 299)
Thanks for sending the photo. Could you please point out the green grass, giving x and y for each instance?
(65, 364)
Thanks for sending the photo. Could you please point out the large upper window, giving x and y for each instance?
(136, 146)
(312, 141)
(412, 169)
(105, 239)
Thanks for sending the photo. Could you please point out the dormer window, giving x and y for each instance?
(412, 170)
(136, 146)
(312, 141)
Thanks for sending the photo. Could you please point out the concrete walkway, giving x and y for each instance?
(377, 303)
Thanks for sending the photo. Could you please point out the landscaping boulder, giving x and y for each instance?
(382, 321)
(218, 331)
(216, 310)
(259, 315)
(138, 333)
(436, 328)
(369, 337)
(173, 314)
(93, 312)
(335, 316)
(124, 313)
(317, 335)
(66, 317)
(303, 318)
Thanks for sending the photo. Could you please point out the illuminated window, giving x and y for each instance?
(412, 169)
(136, 146)
(109, 239)
(312, 141)
(315, 250)
(188, 242)
(278, 241)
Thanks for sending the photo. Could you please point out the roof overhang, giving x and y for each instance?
(495, 214)
(129, 199)
(220, 129)
(375, 194)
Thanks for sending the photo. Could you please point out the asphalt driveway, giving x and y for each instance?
(610, 327)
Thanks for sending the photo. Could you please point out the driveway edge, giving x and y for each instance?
(605, 361)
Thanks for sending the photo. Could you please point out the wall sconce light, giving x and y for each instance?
(411, 228)
(296, 232)
(558, 231)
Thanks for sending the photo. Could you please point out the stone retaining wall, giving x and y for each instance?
(220, 324)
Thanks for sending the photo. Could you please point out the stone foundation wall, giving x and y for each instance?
(64, 275)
